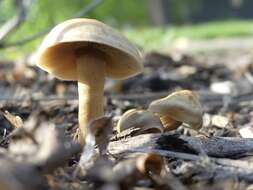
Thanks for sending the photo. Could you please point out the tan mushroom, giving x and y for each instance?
(145, 120)
(140, 167)
(149, 163)
(181, 106)
(87, 51)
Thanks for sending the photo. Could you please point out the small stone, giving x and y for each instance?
(225, 87)
(220, 121)
(246, 132)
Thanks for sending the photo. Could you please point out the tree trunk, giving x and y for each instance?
(157, 12)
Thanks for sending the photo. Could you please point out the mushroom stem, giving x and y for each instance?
(91, 78)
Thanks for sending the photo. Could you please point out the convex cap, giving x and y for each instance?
(182, 106)
(57, 53)
(145, 120)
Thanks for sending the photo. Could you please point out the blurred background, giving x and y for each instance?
(200, 45)
(152, 24)
(186, 44)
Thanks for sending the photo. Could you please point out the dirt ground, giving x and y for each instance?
(39, 120)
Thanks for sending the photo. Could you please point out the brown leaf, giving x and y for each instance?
(44, 145)
(99, 132)
(102, 130)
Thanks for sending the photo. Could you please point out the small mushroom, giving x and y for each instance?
(145, 120)
(149, 163)
(141, 167)
(181, 106)
(86, 50)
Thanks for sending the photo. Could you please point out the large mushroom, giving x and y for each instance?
(86, 50)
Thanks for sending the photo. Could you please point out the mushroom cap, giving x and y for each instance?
(143, 119)
(57, 56)
(182, 106)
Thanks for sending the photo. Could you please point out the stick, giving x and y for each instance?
(222, 147)
(23, 41)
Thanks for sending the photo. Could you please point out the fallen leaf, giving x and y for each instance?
(98, 133)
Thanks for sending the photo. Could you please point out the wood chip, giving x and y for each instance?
(246, 132)
(15, 121)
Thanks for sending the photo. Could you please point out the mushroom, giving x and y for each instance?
(138, 168)
(145, 120)
(86, 50)
(149, 163)
(181, 106)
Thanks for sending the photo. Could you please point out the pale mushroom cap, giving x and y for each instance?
(56, 54)
(143, 119)
(182, 106)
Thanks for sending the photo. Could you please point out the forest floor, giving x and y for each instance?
(38, 121)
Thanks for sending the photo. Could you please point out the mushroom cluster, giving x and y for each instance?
(87, 51)
(166, 114)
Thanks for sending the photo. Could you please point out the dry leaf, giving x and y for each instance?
(44, 145)
(98, 132)
(102, 129)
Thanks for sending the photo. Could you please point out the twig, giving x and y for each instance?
(249, 76)
(23, 41)
(242, 164)
(14, 23)
(167, 153)
(220, 147)
(87, 8)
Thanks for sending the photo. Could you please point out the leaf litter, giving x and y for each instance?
(39, 123)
